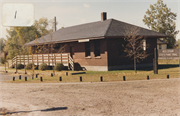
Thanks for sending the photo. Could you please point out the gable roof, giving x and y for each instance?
(100, 29)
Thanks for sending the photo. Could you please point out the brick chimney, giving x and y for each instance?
(103, 16)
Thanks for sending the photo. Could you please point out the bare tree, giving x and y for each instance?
(135, 45)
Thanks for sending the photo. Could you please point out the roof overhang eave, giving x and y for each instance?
(65, 41)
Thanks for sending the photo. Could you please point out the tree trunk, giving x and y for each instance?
(135, 64)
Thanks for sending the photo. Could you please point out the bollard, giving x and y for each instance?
(101, 78)
(36, 75)
(25, 78)
(167, 76)
(66, 73)
(41, 79)
(51, 74)
(60, 78)
(19, 77)
(13, 78)
(32, 77)
(80, 78)
(124, 78)
(147, 77)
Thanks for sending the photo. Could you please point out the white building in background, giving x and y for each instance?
(161, 44)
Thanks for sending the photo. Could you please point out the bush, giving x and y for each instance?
(43, 66)
(59, 66)
(29, 66)
(2, 60)
(20, 66)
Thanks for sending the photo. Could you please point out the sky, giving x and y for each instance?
(75, 12)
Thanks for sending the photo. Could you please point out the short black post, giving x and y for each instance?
(60, 78)
(51, 74)
(25, 78)
(80, 78)
(36, 75)
(41, 79)
(167, 76)
(124, 78)
(13, 78)
(19, 77)
(147, 77)
(66, 73)
(101, 78)
(32, 77)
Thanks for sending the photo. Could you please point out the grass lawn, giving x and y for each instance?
(94, 76)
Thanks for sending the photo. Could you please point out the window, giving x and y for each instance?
(144, 44)
(97, 48)
(57, 46)
(87, 49)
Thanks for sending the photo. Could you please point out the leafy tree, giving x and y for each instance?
(18, 36)
(2, 44)
(135, 45)
(160, 18)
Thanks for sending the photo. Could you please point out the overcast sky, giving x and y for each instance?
(74, 12)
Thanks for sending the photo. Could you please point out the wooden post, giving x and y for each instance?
(48, 59)
(41, 79)
(25, 78)
(155, 62)
(147, 77)
(28, 58)
(68, 61)
(124, 78)
(37, 59)
(16, 64)
(8, 64)
(24, 65)
(61, 57)
(73, 66)
(60, 78)
(101, 78)
(20, 58)
(42, 58)
(13, 78)
(55, 59)
(32, 59)
(5, 67)
(19, 77)
(80, 79)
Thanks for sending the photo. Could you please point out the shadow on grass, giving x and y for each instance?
(44, 110)
(160, 66)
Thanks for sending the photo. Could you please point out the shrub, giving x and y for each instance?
(29, 66)
(20, 66)
(59, 66)
(2, 60)
(43, 66)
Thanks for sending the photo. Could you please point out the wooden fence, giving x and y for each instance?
(37, 59)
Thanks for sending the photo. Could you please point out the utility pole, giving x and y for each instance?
(54, 23)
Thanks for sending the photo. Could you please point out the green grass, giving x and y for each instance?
(94, 76)
(164, 69)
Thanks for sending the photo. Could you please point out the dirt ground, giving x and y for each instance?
(159, 97)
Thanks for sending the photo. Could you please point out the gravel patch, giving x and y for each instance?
(130, 98)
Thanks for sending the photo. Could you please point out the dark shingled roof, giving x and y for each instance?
(100, 29)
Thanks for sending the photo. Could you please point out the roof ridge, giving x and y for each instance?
(108, 27)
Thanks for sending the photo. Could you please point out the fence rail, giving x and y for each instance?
(37, 59)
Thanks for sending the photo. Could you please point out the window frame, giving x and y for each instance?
(97, 48)
(87, 49)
